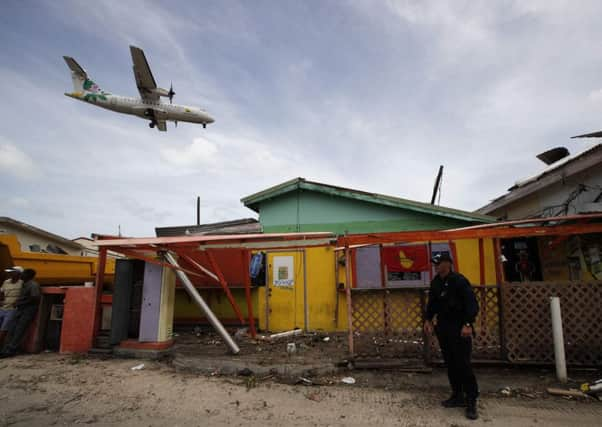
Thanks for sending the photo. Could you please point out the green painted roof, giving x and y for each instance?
(253, 201)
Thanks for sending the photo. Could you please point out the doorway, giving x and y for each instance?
(286, 293)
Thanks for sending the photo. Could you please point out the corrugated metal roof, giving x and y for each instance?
(238, 226)
(252, 201)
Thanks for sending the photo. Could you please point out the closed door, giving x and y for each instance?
(285, 291)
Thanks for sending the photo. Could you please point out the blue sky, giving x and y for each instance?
(373, 95)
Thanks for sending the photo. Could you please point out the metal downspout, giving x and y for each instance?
(198, 299)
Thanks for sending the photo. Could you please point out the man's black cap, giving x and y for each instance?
(441, 257)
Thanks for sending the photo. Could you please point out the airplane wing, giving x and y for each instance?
(161, 125)
(589, 135)
(144, 78)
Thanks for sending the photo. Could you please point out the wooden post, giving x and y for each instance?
(99, 283)
(252, 330)
(348, 295)
(499, 277)
(336, 289)
(426, 338)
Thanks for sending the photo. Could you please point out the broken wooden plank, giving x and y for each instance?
(563, 392)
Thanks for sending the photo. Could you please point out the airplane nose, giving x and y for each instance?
(210, 119)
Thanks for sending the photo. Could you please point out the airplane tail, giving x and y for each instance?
(82, 84)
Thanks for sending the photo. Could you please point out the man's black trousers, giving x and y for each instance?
(18, 328)
(457, 352)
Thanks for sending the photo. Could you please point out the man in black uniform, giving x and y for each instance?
(453, 302)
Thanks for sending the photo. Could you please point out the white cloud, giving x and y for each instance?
(200, 153)
(16, 162)
(595, 95)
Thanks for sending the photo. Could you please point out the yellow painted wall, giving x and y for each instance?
(185, 308)
(467, 252)
(321, 293)
(321, 288)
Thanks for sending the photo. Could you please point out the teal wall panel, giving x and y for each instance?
(312, 211)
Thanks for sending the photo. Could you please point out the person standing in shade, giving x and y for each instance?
(9, 293)
(451, 311)
(26, 309)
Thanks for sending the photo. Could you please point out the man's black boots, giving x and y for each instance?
(455, 401)
(471, 409)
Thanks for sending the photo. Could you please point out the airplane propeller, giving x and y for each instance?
(171, 93)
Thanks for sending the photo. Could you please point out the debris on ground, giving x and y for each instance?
(241, 333)
(138, 367)
(326, 339)
(305, 381)
(570, 393)
(291, 348)
(286, 334)
(593, 389)
(348, 380)
(505, 391)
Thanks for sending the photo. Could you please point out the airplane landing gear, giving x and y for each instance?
(204, 125)
(151, 124)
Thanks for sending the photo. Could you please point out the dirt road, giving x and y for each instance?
(49, 389)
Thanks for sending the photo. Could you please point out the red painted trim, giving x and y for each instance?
(106, 299)
(454, 254)
(135, 344)
(422, 236)
(481, 262)
(579, 217)
(54, 290)
(353, 267)
(383, 271)
(133, 254)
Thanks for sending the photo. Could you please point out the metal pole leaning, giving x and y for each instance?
(558, 339)
(198, 299)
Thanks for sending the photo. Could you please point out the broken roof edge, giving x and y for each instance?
(527, 184)
(214, 238)
(253, 200)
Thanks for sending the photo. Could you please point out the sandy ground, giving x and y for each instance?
(51, 389)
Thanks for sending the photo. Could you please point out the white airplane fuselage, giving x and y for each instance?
(148, 110)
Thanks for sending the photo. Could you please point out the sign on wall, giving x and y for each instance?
(283, 273)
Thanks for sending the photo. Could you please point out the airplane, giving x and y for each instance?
(148, 106)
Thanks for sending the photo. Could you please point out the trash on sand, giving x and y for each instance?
(592, 388)
(285, 334)
(138, 367)
(241, 333)
(505, 391)
(291, 348)
(348, 380)
(304, 381)
(326, 339)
